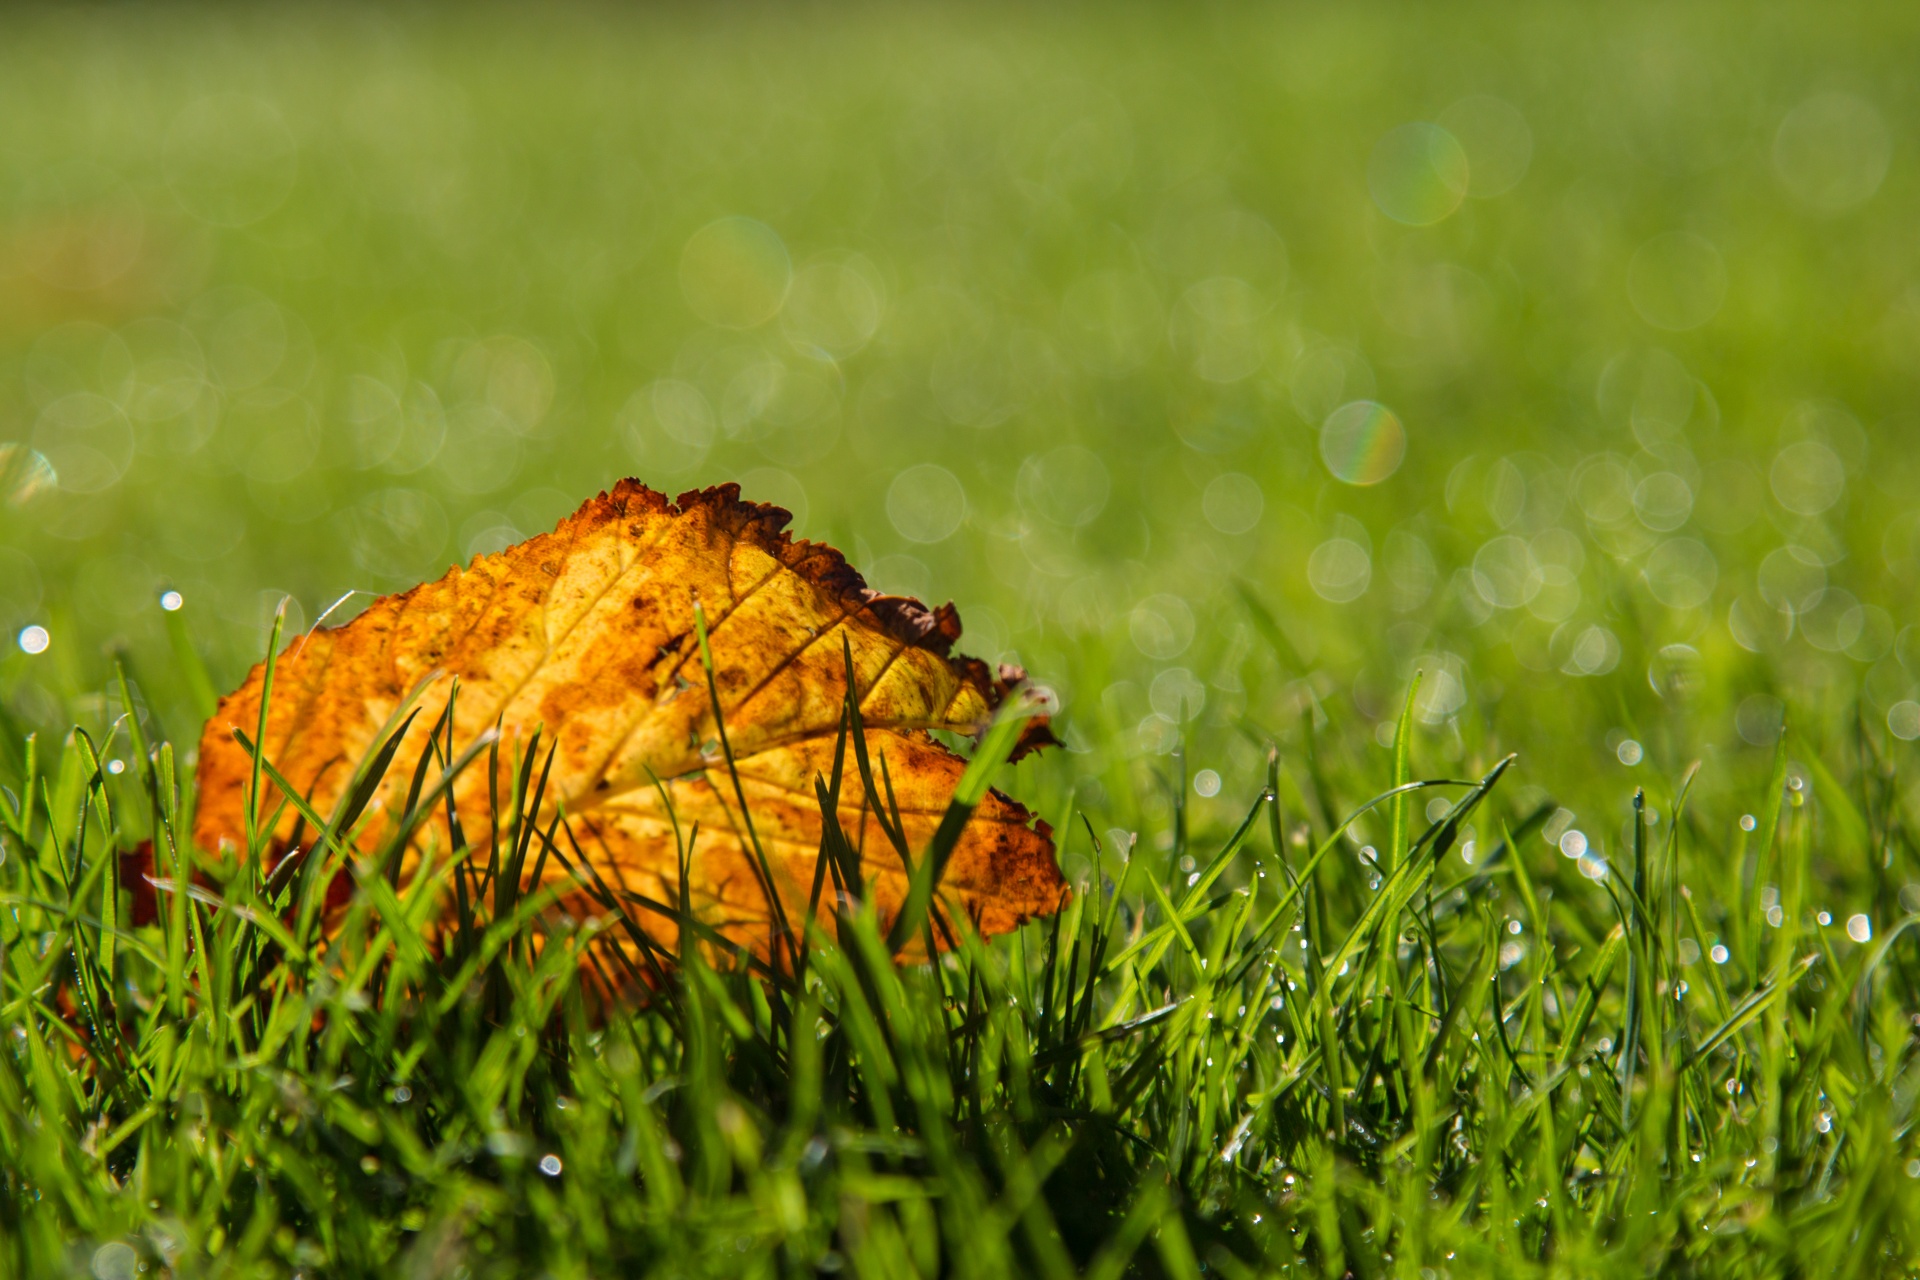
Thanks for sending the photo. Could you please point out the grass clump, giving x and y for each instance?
(1350, 1034)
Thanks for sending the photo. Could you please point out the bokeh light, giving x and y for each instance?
(1066, 486)
(1677, 281)
(86, 441)
(667, 428)
(1681, 573)
(1042, 328)
(230, 159)
(1807, 477)
(1505, 572)
(735, 273)
(1362, 443)
(1162, 626)
(1832, 151)
(1112, 321)
(1496, 139)
(1418, 174)
(926, 503)
(1340, 570)
(1217, 325)
(1233, 502)
(835, 306)
(25, 474)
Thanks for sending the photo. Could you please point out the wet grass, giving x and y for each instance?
(1274, 1047)
(301, 305)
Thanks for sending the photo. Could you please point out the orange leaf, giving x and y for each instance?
(586, 635)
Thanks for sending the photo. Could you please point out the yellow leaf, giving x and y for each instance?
(586, 636)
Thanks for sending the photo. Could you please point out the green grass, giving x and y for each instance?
(313, 301)
(1303, 1053)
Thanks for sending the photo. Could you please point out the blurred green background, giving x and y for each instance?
(1564, 354)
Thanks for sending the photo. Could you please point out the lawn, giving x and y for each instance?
(1315, 401)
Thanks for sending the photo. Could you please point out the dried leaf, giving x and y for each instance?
(586, 635)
